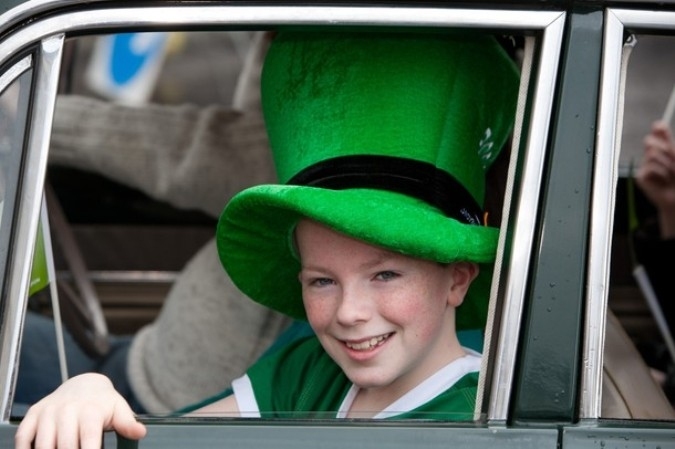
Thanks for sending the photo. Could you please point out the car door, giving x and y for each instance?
(630, 99)
(544, 343)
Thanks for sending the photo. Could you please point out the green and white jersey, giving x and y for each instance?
(314, 386)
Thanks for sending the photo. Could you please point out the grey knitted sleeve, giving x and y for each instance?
(189, 156)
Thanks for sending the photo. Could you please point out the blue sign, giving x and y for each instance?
(125, 66)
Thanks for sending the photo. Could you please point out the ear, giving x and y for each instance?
(463, 274)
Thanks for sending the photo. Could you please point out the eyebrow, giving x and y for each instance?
(382, 256)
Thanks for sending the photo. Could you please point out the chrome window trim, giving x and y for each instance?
(605, 179)
(549, 24)
(48, 63)
(212, 15)
(515, 277)
(14, 72)
(29, 8)
(8, 327)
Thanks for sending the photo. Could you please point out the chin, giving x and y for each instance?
(368, 378)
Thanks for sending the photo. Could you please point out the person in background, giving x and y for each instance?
(654, 241)
(656, 179)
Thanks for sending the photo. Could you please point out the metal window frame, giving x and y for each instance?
(606, 173)
(50, 29)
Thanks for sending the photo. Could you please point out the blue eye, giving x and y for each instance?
(321, 282)
(387, 275)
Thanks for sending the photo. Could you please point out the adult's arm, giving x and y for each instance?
(188, 156)
(655, 254)
(655, 242)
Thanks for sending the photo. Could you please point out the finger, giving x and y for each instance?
(651, 176)
(125, 423)
(662, 129)
(657, 176)
(45, 431)
(91, 436)
(655, 143)
(661, 160)
(668, 158)
(658, 149)
(92, 423)
(658, 159)
(67, 425)
(25, 433)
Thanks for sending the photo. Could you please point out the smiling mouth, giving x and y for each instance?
(369, 344)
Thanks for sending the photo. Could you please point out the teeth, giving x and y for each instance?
(368, 344)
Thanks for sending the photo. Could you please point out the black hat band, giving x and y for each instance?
(411, 177)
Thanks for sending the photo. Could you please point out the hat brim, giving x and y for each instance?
(255, 245)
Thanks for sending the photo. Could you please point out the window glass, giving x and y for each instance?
(639, 335)
(14, 95)
(145, 151)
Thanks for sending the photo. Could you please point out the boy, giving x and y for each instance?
(375, 236)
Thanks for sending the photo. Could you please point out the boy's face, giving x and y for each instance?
(385, 318)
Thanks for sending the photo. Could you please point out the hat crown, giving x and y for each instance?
(436, 98)
(372, 119)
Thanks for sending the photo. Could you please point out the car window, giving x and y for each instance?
(134, 246)
(120, 230)
(648, 89)
(637, 326)
(14, 95)
(114, 212)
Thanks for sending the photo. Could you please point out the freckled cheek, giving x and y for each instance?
(319, 312)
(405, 309)
(417, 312)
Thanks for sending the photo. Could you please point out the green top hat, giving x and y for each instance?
(384, 137)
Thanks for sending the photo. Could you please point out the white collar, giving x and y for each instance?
(431, 387)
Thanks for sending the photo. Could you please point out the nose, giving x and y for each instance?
(355, 306)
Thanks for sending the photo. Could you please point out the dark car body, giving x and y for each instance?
(543, 386)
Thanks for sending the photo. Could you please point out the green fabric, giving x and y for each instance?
(419, 96)
(39, 274)
(297, 330)
(315, 386)
(454, 404)
(437, 98)
(470, 338)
